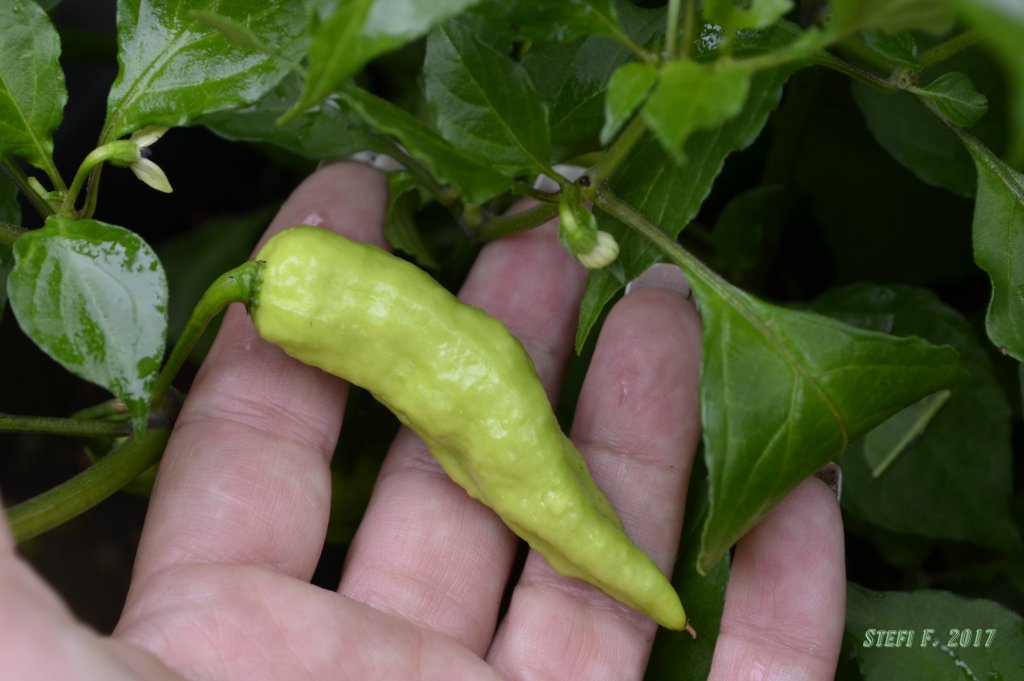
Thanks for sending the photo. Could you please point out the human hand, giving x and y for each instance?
(237, 518)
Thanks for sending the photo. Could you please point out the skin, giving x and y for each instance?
(220, 588)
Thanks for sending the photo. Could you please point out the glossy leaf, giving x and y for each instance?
(400, 225)
(627, 89)
(998, 234)
(691, 96)
(484, 103)
(785, 391)
(954, 637)
(93, 296)
(346, 34)
(916, 139)
(670, 194)
(477, 181)
(954, 480)
(32, 92)
(330, 131)
(955, 97)
(175, 68)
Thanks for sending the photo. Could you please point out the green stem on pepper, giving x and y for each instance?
(235, 286)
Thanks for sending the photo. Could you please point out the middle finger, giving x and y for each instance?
(426, 550)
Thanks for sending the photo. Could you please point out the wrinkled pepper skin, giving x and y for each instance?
(466, 386)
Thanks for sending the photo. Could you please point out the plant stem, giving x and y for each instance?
(833, 62)
(672, 28)
(87, 489)
(74, 427)
(235, 286)
(947, 49)
(689, 28)
(94, 159)
(618, 151)
(518, 222)
(9, 233)
(693, 268)
(39, 203)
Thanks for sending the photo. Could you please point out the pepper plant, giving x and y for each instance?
(840, 181)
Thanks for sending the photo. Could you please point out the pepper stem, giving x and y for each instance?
(235, 286)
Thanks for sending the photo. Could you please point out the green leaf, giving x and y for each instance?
(691, 96)
(784, 391)
(484, 102)
(477, 181)
(346, 34)
(742, 227)
(1001, 24)
(754, 14)
(891, 16)
(884, 444)
(676, 656)
(93, 296)
(573, 78)
(955, 97)
(560, 21)
(954, 637)
(627, 89)
(330, 131)
(998, 234)
(400, 224)
(670, 194)
(897, 48)
(954, 481)
(32, 93)
(914, 138)
(175, 68)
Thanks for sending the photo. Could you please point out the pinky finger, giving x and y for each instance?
(785, 605)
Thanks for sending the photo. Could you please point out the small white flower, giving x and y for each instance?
(144, 169)
(603, 253)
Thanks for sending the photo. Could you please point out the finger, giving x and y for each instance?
(40, 638)
(425, 549)
(245, 478)
(637, 425)
(785, 605)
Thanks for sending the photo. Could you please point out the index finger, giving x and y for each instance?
(245, 478)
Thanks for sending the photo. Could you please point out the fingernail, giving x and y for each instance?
(572, 173)
(832, 475)
(663, 275)
(381, 162)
